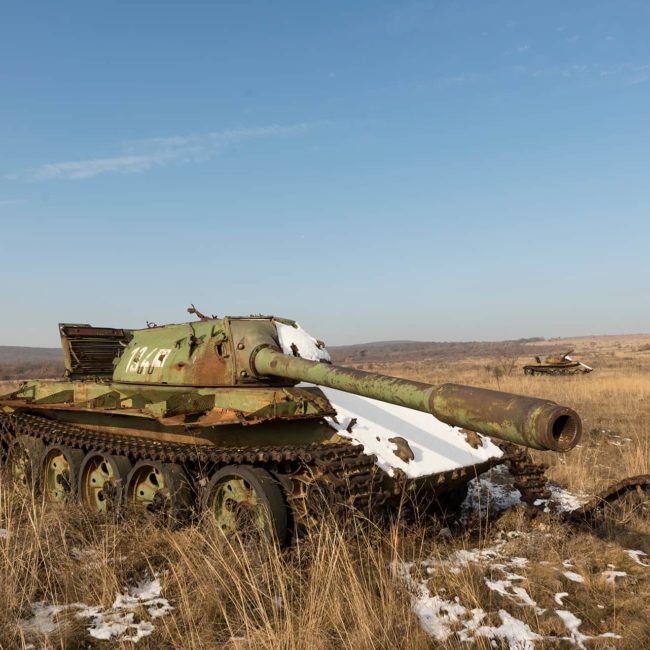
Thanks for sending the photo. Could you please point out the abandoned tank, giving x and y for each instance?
(558, 364)
(247, 418)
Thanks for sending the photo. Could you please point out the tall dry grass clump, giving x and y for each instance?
(333, 589)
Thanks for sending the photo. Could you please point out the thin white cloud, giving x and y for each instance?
(143, 155)
(457, 80)
(630, 73)
(566, 70)
(231, 135)
(520, 49)
(639, 76)
(94, 167)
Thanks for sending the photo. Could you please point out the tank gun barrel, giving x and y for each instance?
(535, 423)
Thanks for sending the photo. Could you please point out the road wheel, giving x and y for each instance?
(161, 489)
(247, 500)
(101, 481)
(24, 459)
(60, 473)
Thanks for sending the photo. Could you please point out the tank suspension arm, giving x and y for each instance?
(536, 423)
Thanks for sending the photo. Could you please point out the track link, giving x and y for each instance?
(530, 480)
(597, 504)
(341, 471)
(529, 477)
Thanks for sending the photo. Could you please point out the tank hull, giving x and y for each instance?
(557, 369)
(212, 416)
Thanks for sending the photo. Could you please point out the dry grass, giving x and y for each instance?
(333, 588)
(338, 587)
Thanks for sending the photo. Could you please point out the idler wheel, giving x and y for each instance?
(60, 473)
(160, 489)
(24, 459)
(247, 500)
(101, 480)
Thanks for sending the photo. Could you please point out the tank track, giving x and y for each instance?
(554, 371)
(339, 475)
(590, 510)
(529, 477)
(530, 480)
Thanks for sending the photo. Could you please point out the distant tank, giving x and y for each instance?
(561, 364)
(245, 417)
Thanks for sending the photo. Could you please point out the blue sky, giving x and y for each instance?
(376, 170)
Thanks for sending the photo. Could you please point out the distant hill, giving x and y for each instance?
(30, 363)
(396, 351)
(36, 363)
(14, 353)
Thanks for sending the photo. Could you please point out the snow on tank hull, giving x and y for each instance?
(418, 453)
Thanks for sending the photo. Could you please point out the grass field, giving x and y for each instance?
(496, 577)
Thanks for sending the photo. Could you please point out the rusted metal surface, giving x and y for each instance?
(528, 421)
(610, 495)
(202, 407)
(341, 473)
(559, 364)
(90, 351)
(529, 477)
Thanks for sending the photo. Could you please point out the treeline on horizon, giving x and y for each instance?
(447, 350)
(47, 363)
(31, 370)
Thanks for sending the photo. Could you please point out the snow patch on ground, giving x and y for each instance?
(636, 555)
(517, 594)
(42, 620)
(573, 623)
(565, 501)
(574, 577)
(116, 623)
(445, 617)
(493, 490)
(559, 597)
(514, 632)
(436, 446)
(561, 500)
(307, 347)
(611, 575)
(441, 618)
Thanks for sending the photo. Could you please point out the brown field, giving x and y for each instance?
(354, 586)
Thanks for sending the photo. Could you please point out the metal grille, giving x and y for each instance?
(92, 350)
